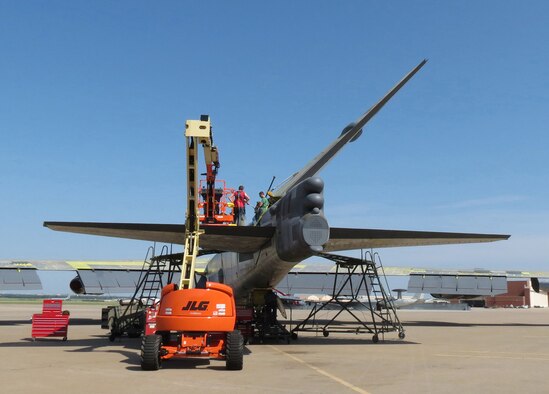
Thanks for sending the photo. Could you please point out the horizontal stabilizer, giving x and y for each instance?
(355, 238)
(241, 239)
(247, 239)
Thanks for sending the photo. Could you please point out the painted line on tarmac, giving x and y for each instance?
(489, 352)
(321, 371)
(493, 357)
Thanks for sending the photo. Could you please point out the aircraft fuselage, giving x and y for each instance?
(301, 230)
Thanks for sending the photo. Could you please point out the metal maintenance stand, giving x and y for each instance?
(357, 287)
(129, 317)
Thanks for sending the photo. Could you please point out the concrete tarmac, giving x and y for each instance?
(481, 351)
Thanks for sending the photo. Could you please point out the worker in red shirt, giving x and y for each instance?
(240, 201)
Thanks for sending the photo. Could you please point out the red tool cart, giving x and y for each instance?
(52, 322)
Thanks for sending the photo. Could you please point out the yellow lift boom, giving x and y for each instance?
(196, 132)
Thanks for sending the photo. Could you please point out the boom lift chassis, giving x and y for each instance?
(191, 321)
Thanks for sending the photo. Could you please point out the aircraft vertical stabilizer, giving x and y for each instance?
(350, 133)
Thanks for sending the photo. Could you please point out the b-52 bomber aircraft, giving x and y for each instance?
(293, 229)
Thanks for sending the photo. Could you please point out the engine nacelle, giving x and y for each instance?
(77, 286)
(540, 285)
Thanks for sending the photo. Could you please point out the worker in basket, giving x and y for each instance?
(240, 201)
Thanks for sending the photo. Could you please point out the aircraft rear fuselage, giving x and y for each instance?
(301, 230)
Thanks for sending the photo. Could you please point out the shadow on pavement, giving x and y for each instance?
(73, 322)
(424, 323)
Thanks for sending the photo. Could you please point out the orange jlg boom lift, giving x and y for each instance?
(190, 321)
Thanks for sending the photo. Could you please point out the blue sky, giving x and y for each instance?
(94, 96)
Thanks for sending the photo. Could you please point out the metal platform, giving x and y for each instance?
(129, 317)
(357, 291)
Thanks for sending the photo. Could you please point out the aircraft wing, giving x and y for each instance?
(323, 267)
(354, 238)
(241, 239)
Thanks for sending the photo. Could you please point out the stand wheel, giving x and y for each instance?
(150, 352)
(64, 339)
(234, 351)
(326, 333)
(375, 339)
(401, 335)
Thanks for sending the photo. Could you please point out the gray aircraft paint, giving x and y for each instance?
(293, 229)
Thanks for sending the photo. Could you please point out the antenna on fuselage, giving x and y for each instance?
(271, 185)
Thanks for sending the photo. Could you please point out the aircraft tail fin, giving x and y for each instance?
(349, 134)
